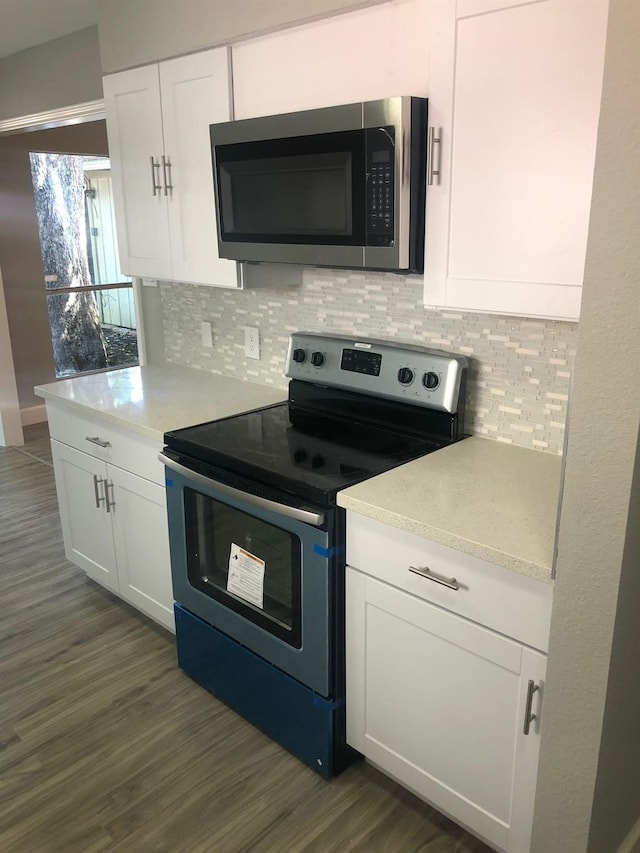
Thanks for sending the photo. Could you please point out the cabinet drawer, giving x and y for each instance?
(126, 449)
(512, 604)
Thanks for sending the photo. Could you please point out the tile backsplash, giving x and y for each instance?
(520, 368)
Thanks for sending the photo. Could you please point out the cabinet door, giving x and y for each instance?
(371, 53)
(141, 537)
(134, 130)
(515, 90)
(195, 93)
(438, 702)
(86, 526)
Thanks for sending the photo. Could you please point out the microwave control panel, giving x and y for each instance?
(380, 142)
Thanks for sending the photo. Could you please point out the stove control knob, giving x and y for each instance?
(317, 359)
(431, 380)
(405, 376)
(299, 355)
(317, 461)
(299, 455)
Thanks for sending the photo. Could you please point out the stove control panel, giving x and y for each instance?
(404, 372)
(361, 361)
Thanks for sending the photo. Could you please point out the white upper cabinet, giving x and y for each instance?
(158, 121)
(514, 96)
(195, 92)
(134, 129)
(372, 53)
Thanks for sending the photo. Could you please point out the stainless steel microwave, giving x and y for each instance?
(336, 187)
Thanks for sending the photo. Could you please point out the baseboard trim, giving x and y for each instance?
(33, 415)
(631, 843)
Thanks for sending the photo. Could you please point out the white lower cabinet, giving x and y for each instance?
(114, 522)
(441, 703)
(86, 527)
(141, 541)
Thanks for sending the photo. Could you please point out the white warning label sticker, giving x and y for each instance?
(246, 575)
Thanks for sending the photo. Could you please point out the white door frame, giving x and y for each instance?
(10, 422)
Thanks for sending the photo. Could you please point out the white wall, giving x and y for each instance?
(616, 801)
(53, 75)
(589, 779)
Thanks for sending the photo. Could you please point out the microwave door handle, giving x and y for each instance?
(314, 518)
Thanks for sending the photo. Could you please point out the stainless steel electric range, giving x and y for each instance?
(257, 540)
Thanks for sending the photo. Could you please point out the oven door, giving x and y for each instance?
(259, 570)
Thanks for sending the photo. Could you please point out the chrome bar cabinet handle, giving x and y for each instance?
(95, 439)
(434, 141)
(97, 482)
(166, 174)
(110, 504)
(528, 716)
(425, 572)
(154, 186)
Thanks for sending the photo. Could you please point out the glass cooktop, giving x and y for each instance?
(307, 453)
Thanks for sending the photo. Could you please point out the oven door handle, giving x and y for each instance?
(314, 518)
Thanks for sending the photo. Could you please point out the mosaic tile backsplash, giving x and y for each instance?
(520, 369)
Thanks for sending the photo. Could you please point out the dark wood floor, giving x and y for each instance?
(106, 746)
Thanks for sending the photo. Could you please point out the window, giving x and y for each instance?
(89, 301)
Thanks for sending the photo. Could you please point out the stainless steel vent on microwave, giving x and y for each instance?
(339, 187)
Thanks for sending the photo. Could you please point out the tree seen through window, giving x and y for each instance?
(90, 304)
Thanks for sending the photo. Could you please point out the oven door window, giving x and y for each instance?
(245, 563)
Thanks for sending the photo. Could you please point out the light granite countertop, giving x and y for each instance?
(151, 400)
(482, 497)
(479, 496)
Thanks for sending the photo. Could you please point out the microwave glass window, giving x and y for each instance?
(267, 587)
(301, 189)
(304, 194)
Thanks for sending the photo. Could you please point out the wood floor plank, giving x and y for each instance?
(105, 745)
(37, 444)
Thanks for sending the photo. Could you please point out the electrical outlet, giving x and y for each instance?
(251, 342)
(205, 332)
